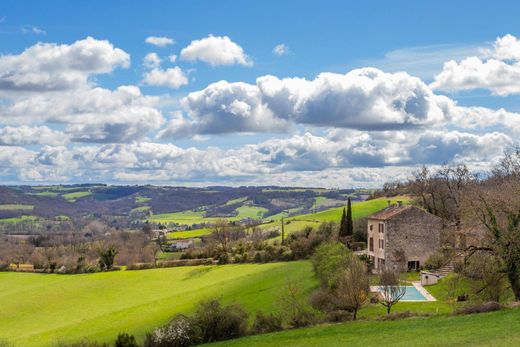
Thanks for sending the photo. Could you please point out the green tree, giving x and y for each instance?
(343, 224)
(349, 222)
(106, 258)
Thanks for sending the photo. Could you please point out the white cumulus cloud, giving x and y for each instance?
(216, 50)
(173, 77)
(160, 41)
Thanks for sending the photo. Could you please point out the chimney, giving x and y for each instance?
(399, 203)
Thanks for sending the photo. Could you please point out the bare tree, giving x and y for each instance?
(391, 290)
(353, 285)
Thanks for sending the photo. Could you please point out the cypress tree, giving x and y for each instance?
(343, 224)
(349, 223)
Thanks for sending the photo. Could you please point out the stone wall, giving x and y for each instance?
(413, 235)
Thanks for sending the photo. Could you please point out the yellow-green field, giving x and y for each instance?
(37, 309)
(16, 207)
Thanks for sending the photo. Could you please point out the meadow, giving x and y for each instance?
(38, 310)
(500, 328)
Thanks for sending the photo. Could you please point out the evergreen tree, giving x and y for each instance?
(349, 223)
(343, 225)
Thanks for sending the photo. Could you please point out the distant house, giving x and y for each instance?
(402, 237)
(179, 245)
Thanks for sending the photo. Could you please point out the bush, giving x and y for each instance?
(125, 340)
(180, 332)
(218, 322)
(435, 261)
(323, 300)
(479, 308)
(338, 316)
(266, 323)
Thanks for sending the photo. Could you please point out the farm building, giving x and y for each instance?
(402, 237)
(181, 244)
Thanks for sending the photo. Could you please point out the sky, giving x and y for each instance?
(292, 93)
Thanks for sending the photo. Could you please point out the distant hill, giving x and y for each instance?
(128, 205)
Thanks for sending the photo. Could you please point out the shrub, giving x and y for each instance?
(266, 323)
(324, 300)
(125, 340)
(435, 261)
(218, 322)
(337, 316)
(180, 332)
(479, 308)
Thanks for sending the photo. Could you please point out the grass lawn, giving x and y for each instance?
(16, 207)
(37, 309)
(500, 328)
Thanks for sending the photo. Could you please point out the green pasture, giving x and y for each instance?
(38, 309)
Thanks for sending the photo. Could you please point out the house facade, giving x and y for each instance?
(402, 237)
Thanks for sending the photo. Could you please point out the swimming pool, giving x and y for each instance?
(413, 294)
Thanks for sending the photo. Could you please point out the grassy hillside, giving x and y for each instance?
(36, 310)
(500, 328)
(359, 210)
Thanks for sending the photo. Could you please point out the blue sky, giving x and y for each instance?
(93, 110)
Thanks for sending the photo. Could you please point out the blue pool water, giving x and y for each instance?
(412, 294)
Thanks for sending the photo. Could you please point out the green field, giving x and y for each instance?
(16, 207)
(142, 199)
(500, 328)
(76, 195)
(254, 212)
(36, 309)
(18, 219)
(188, 233)
(359, 210)
(140, 209)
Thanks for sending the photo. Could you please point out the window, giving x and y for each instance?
(381, 228)
(371, 244)
(371, 227)
(381, 244)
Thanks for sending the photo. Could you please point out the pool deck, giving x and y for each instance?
(418, 286)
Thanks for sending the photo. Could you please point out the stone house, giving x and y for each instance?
(402, 237)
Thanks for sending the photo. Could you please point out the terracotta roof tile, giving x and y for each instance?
(390, 212)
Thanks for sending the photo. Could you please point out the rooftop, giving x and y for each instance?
(390, 212)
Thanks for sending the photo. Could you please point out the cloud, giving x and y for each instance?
(33, 29)
(26, 135)
(280, 49)
(151, 60)
(216, 50)
(366, 99)
(172, 77)
(90, 115)
(172, 58)
(53, 67)
(498, 71)
(224, 107)
(159, 41)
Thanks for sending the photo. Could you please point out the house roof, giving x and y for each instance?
(390, 212)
